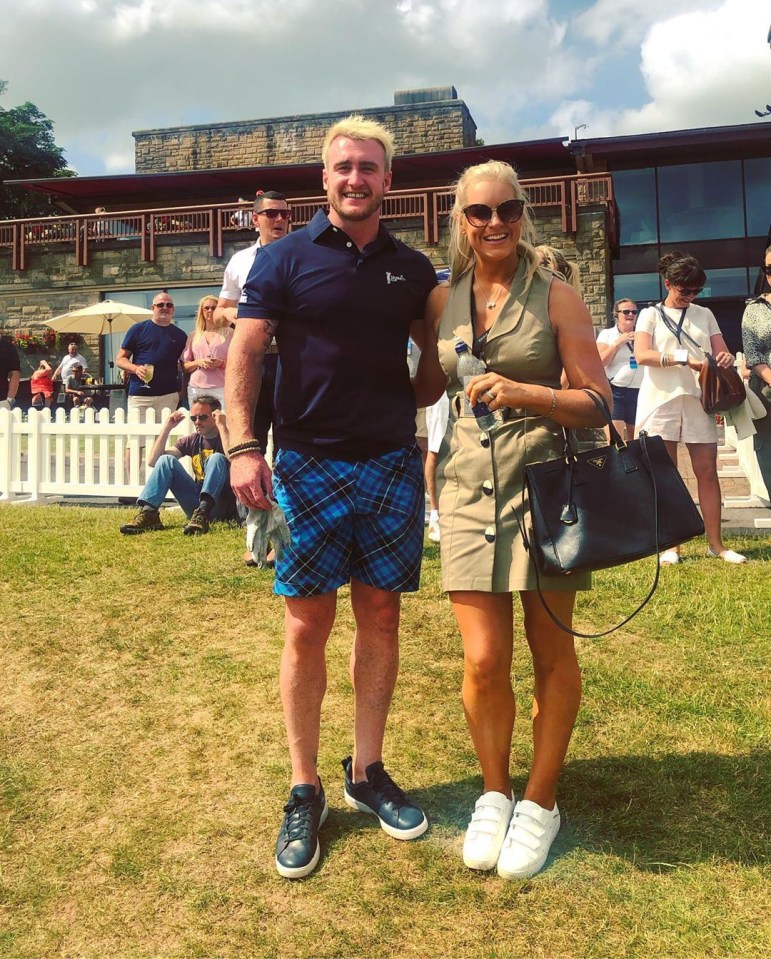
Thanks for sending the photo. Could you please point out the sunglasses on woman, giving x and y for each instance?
(689, 290)
(628, 312)
(480, 214)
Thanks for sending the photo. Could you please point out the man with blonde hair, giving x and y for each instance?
(342, 297)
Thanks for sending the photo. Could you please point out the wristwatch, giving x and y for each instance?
(681, 357)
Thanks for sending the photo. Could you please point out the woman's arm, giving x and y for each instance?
(583, 369)
(430, 380)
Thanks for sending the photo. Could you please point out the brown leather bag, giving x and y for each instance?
(721, 387)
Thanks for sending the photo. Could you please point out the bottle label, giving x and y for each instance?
(632, 363)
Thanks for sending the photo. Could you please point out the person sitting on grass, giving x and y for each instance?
(208, 495)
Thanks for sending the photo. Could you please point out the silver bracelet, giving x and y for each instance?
(553, 401)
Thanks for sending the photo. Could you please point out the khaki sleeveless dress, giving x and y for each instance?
(480, 476)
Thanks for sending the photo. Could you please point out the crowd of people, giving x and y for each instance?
(309, 337)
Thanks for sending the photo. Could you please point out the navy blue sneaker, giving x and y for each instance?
(380, 795)
(297, 846)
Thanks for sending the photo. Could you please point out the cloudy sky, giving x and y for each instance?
(526, 68)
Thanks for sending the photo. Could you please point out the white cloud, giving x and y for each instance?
(103, 69)
(700, 69)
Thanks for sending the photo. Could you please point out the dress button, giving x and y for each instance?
(484, 439)
(490, 534)
(487, 488)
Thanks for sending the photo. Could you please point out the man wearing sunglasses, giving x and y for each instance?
(271, 218)
(204, 496)
(343, 297)
(150, 354)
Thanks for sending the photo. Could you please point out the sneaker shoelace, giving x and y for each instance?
(299, 819)
(382, 784)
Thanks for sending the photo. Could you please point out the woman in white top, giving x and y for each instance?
(669, 403)
(616, 349)
(206, 353)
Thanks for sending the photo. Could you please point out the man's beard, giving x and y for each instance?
(356, 215)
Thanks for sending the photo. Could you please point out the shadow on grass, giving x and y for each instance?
(658, 813)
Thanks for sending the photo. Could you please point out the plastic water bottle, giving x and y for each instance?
(632, 362)
(468, 366)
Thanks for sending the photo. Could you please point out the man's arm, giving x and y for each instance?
(159, 446)
(221, 422)
(14, 378)
(226, 311)
(250, 475)
(123, 362)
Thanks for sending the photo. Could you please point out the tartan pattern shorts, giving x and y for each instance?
(350, 519)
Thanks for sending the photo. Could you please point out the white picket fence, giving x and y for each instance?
(83, 453)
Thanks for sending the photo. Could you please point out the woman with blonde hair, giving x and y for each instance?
(554, 260)
(205, 354)
(526, 325)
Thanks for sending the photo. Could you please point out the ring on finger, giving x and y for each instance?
(491, 394)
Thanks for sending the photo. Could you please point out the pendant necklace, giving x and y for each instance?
(489, 301)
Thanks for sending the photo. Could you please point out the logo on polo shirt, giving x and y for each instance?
(395, 278)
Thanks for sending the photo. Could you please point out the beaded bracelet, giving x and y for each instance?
(250, 446)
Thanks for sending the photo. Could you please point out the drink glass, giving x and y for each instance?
(149, 371)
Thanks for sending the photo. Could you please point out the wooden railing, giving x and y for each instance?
(430, 207)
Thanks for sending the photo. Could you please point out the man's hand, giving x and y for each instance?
(251, 480)
(176, 417)
(220, 420)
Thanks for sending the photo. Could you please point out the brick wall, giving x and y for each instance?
(417, 128)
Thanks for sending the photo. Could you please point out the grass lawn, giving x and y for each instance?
(143, 766)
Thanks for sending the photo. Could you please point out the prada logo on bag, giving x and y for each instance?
(598, 462)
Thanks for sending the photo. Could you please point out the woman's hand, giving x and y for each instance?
(495, 391)
(724, 359)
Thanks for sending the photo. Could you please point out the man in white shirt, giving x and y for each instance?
(271, 217)
(72, 359)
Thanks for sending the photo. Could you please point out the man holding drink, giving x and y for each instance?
(150, 353)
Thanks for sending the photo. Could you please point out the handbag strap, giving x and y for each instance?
(599, 402)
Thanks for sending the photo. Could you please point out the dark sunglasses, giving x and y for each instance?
(199, 416)
(767, 269)
(163, 306)
(480, 214)
(276, 214)
(689, 290)
(628, 312)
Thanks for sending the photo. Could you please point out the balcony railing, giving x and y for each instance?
(214, 223)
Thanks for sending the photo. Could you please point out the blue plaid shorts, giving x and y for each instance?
(350, 519)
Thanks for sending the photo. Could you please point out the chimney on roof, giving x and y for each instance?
(424, 95)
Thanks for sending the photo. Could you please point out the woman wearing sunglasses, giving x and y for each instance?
(526, 325)
(669, 405)
(616, 348)
(756, 338)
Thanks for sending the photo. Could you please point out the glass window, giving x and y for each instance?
(635, 193)
(726, 283)
(700, 201)
(640, 287)
(757, 183)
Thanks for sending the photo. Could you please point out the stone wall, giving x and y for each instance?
(417, 128)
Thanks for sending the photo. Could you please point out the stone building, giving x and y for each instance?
(613, 205)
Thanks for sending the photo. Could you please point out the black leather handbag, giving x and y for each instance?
(604, 507)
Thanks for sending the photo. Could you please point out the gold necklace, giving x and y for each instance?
(489, 301)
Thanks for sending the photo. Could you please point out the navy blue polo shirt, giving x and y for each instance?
(149, 342)
(343, 317)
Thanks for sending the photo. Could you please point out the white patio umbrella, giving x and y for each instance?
(109, 316)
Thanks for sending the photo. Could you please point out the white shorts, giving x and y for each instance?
(436, 422)
(682, 420)
(170, 401)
